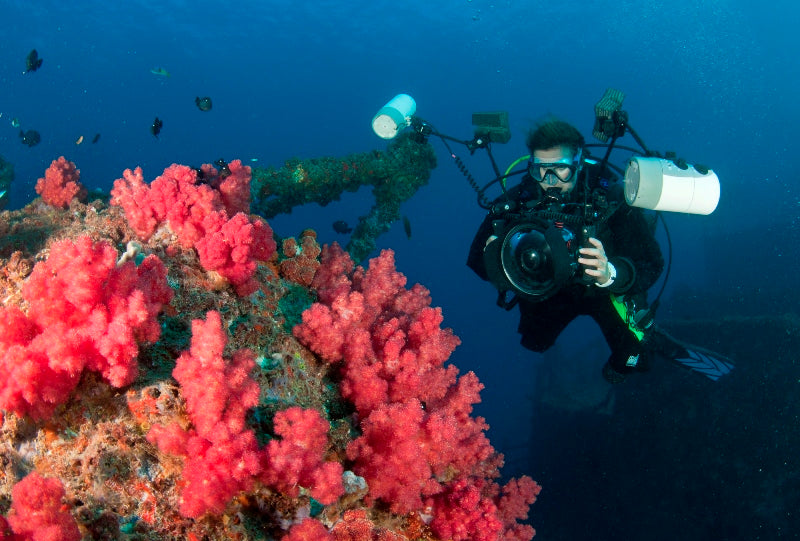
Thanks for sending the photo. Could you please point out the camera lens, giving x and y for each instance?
(531, 260)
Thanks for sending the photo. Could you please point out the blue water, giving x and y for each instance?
(717, 82)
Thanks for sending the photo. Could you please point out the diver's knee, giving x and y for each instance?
(539, 346)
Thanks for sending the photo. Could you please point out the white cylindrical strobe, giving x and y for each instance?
(658, 184)
(394, 116)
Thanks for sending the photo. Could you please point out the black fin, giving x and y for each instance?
(695, 358)
(705, 363)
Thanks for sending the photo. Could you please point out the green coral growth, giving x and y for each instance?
(292, 305)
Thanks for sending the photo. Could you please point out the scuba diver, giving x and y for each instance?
(570, 239)
(620, 256)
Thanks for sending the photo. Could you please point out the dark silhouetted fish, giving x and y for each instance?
(224, 170)
(340, 226)
(204, 103)
(30, 137)
(407, 226)
(96, 138)
(155, 128)
(32, 61)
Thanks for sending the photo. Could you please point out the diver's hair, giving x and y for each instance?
(553, 132)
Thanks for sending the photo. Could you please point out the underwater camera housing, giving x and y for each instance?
(535, 254)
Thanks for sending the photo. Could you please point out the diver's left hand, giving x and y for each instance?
(595, 261)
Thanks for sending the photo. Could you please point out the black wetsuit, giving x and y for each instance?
(630, 245)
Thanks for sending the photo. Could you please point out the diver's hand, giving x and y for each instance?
(596, 262)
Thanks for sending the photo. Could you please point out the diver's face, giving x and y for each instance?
(557, 170)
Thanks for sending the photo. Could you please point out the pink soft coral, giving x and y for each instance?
(308, 530)
(298, 458)
(390, 455)
(61, 184)
(85, 313)
(132, 194)
(7, 535)
(181, 198)
(198, 211)
(38, 513)
(232, 247)
(420, 446)
(415, 412)
(388, 337)
(356, 526)
(233, 185)
(464, 514)
(480, 511)
(222, 455)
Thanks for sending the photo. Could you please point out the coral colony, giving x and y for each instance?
(169, 371)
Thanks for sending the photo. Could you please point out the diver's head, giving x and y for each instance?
(556, 148)
(555, 168)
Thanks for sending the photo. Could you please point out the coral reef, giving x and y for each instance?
(61, 183)
(150, 395)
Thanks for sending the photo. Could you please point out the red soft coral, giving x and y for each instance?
(308, 530)
(513, 504)
(38, 513)
(390, 456)
(388, 337)
(85, 313)
(215, 472)
(233, 185)
(462, 514)
(184, 202)
(174, 197)
(420, 446)
(222, 455)
(5, 530)
(298, 458)
(473, 510)
(232, 248)
(355, 526)
(218, 391)
(61, 184)
(132, 193)
(198, 213)
(393, 351)
(333, 277)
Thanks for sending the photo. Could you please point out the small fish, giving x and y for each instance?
(407, 226)
(79, 140)
(96, 138)
(161, 72)
(32, 61)
(30, 137)
(15, 122)
(224, 170)
(204, 103)
(155, 128)
(340, 226)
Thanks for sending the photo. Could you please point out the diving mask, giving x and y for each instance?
(551, 173)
